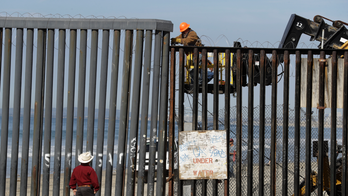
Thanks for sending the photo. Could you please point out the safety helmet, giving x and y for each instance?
(184, 26)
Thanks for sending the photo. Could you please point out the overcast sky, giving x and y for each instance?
(252, 20)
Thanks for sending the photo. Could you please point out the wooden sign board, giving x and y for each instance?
(203, 155)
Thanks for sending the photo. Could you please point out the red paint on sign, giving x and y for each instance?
(202, 160)
(203, 173)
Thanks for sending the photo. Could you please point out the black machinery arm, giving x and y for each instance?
(334, 36)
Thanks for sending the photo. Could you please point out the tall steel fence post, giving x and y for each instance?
(133, 131)
(181, 110)
(204, 104)
(171, 131)
(297, 123)
(309, 121)
(101, 106)
(38, 115)
(227, 114)
(92, 90)
(70, 112)
(123, 113)
(321, 108)
(345, 127)
(285, 123)
(81, 94)
(5, 108)
(195, 104)
(262, 121)
(163, 117)
(16, 111)
(59, 112)
(112, 113)
(216, 106)
(154, 113)
(27, 111)
(274, 122)
(144, 112)
(250, 123)
(239, 123)
(333, 189)
(48, 113)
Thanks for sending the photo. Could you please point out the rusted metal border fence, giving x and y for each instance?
(275, 55)
(37, 56)
(39, 53)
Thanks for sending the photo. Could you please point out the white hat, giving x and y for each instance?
(85, 157)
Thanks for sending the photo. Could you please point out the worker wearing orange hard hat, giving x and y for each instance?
(188, 37)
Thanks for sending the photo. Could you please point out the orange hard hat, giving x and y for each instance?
(184, 26)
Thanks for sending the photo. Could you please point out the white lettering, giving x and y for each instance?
(110, 159)
(47, 159)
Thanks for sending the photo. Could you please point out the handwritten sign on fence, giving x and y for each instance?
(203, 155)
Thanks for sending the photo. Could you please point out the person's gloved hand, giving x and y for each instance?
(176, 40)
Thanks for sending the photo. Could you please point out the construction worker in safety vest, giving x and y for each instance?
(188, 37)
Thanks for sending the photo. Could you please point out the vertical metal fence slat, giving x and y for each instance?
(250, 123)
(195, 91)
(163, 118)
(180, 110)
(48, 113)
(101, 106)
(227, 114)
(195, 103)
(154, 113)
(274, 122)
(112, 112)
(144, 112)
(216, 105)
(286, 123)
(321, 182)
(309, 122)
(16, 111)
(5, 108)
(1, 49)
(134, 126)
(216, 91)
(27, 111)
(92, 91)
(204, 90)
(345, 126)
(81, 95)
(38, 113)
(204, 105)
(70, 111)
(239, 123)
(333, 155)
(297, 123)
(171, 122)
(123, 113)
(262, 121)
(59, 112)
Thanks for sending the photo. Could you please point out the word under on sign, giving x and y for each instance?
(203, 160)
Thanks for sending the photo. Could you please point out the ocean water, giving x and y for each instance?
(256, 135)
